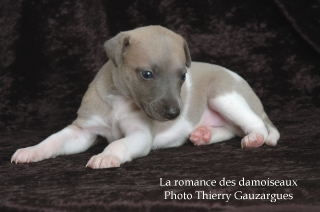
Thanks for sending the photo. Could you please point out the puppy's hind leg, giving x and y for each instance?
(234, 108)
(70, 140)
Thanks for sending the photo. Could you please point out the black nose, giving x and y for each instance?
(172, 113)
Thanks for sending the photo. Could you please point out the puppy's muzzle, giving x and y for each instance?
(162, 111)
(171, 112)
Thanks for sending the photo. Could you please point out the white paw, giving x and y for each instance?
(27, 155)
(201, 136)
(253, 140)
(272, 142)
(273, 137)
(102, 161)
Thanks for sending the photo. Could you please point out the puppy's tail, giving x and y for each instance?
(273, 133)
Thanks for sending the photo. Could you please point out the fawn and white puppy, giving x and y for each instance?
(150, 95)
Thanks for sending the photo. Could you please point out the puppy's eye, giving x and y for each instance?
(183, 77)
(147, 75)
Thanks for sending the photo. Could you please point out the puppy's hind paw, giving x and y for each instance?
(201, 136)
(102, 161)
(252, 140)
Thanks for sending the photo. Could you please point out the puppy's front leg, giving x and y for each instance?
(136, 143)
(69, 140)
(121, 151)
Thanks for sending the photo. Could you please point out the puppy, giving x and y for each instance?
(150, 95)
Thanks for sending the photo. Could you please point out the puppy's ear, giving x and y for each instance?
(187, 53)
(116, 46)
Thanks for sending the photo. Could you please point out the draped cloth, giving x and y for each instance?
(51, 50)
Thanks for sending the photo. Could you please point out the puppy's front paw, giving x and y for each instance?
(27, 155)
(201, 136)
(253, 140)
(102, 161)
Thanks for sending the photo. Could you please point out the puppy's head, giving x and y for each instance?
(151, 65)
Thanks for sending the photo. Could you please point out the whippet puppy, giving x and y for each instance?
(150, 95)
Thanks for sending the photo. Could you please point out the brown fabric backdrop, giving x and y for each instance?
(51, 50)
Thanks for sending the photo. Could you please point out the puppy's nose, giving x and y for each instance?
(172, 112)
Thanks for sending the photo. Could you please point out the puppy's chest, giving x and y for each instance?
(107, 122)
